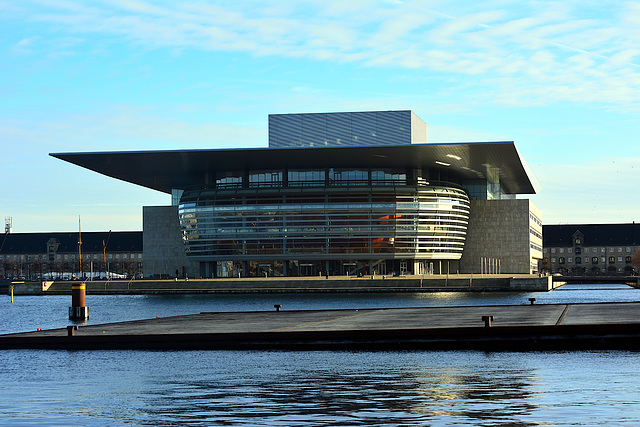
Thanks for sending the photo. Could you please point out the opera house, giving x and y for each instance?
(355, 193)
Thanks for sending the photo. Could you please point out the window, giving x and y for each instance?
(586, 250)
(229, 182)
(610, 250)
(603, 250)
(570, 260)
(619, 250)
(578, 251)
(348, 176)
(265, 179)
(619, 259)
(612, 259)
(561, 250)
(578, 260)
(553, 260)
(306, 178)
(388, 176)
(578, 241)
(628, 249)
(553, 250)
(561, 260)
(594, 260)
(627, 259)
(569, 250)
(603, 259)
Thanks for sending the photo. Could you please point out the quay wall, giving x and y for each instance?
(300, 284)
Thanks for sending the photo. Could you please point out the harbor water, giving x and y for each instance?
(321, 388)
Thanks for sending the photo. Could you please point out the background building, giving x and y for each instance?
(335, 193)
(55, 255)
(591, 249)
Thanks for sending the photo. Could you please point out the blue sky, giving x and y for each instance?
(560, 78)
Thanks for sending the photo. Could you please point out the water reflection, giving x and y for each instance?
(346, 389)
(319, 388)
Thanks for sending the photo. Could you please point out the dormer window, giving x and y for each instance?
(578, 241)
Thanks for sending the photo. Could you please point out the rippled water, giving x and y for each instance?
(285, 388)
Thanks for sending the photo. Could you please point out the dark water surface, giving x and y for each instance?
(285, 388)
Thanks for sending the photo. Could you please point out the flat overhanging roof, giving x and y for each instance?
(167, 170)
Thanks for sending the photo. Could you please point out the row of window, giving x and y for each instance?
(313, 178)
(535, 219)
(535, 233)
(67, 257)
(587, 250)
(594, 260)
(432, 220)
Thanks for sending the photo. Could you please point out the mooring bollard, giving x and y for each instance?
(71, 330)
(532, 301)
(277, 307)
(78, 309)
(487, 321)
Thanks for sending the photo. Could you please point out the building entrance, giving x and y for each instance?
(403, 268)
(307, 270)
(349, 269)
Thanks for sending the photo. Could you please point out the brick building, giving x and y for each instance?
(55, 255)
(590, 249)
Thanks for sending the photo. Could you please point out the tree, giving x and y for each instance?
(635, 259)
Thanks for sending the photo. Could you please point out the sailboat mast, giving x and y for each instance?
(80, 245)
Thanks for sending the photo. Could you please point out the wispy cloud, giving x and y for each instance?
(556, 52)
(527, 55)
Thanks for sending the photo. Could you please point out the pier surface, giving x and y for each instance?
(513, 327)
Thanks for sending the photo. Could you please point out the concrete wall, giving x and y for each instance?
(499, 230)
(163, 250)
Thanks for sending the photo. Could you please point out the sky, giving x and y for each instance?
(559, 78)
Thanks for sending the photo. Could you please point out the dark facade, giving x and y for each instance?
(55, 255)
(590, 249)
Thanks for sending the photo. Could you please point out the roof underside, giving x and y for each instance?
(167, 170)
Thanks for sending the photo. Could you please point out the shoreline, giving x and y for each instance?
(336, 284)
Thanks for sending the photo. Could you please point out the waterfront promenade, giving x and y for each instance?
(508, 327)
(377, 283)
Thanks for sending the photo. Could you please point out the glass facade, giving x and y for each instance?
(343, 216)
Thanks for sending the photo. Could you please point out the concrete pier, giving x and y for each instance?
(377, 283)
(495, 328)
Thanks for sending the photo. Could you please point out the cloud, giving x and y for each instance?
(25, 46)
(534, 54)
